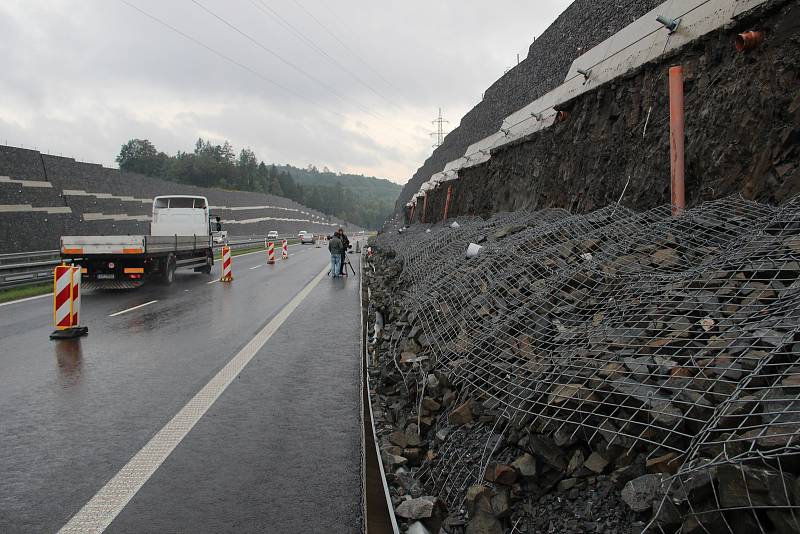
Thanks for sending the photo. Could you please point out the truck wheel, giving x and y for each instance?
(169, 271)
(209, 263)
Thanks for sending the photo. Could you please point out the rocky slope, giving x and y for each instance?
(584, 24)
(742, 133)
(618, 371)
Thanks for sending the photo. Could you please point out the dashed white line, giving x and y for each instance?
(109, 501)
(262, 251)
(134, 308)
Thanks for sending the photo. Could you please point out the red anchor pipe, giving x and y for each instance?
(748, 40)
(676, 139)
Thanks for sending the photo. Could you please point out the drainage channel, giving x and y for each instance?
(378, 510)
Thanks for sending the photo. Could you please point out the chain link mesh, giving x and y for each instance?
(676, 337)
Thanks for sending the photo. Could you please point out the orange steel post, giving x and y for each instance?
(411, 217)
(447, 200)
(424, 207)
(676, 139)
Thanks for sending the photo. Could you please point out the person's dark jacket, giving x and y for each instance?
(345, 242)
(335, 245)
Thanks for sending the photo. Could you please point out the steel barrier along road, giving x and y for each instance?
(28, 268)
(25, 268)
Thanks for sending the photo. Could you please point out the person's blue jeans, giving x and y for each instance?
(336, 264)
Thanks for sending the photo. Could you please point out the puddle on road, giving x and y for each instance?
(69, 358)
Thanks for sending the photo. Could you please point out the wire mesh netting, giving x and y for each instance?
(673, 337)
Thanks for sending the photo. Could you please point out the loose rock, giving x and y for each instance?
(640, 493)
(419, 508)
(461, 415)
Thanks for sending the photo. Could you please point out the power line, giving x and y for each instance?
(344, 45)
(253, 71)
(439, 133)
(262, 6)
(227, 58)
(285, 61)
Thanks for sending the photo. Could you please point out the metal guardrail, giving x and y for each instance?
(28, 268)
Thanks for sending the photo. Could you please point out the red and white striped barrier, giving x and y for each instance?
(270, 252)
(285, 250)
(227, 265)
(67, 302)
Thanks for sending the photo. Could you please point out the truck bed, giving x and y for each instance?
(86, 245)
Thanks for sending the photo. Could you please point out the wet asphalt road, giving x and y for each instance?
(279, 451)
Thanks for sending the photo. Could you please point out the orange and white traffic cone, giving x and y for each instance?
(227, 265)
(285, 250)
(67, 303)
(270, 252)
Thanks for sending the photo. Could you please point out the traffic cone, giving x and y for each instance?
(285, 250)
(227, 265)
(67, 303)
(270, 252)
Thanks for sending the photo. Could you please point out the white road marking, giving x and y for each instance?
(26, 299)
(107, 503)
(261, 250)
(134, 308)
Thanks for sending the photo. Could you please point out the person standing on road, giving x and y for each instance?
(345, 246)
(335, 248)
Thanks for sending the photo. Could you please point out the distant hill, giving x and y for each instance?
(314, 176)
(362, 200)
(365, 200)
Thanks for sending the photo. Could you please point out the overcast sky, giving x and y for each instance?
(352, 85)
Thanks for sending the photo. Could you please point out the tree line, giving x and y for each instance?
(365, 201)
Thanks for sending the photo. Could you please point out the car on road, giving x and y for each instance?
(301, 233)
(272, 235)
(220, 237)
(306, 238)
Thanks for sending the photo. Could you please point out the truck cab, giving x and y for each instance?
(180, 215)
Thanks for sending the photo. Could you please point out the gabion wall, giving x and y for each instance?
(675, 337)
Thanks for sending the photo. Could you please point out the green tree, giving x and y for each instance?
(363, 200)
(262, 178)
(275, 186)
(289, 188)
(140, 155)
(247, 170)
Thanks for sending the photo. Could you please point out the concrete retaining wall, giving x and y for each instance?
(88, 199)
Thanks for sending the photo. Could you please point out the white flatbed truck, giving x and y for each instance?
(181, 236)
